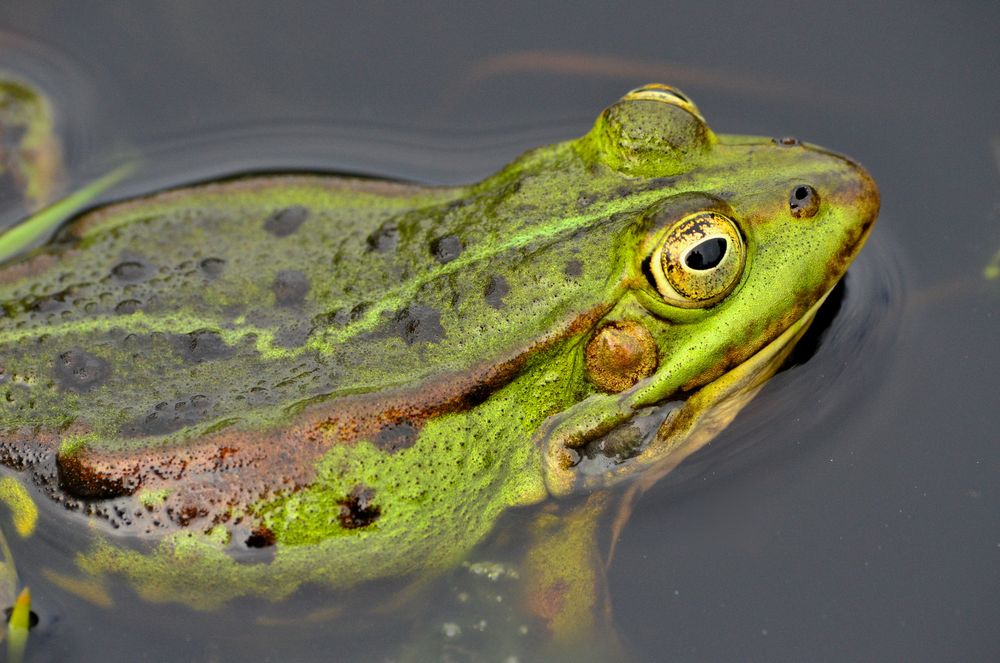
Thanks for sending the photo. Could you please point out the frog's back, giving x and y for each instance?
(364, 375)
(255, 315)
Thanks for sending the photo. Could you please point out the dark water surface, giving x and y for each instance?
(851, 513)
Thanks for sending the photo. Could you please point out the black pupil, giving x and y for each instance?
(802, 193)
(708, 254)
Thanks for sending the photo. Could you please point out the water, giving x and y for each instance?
(851, 512)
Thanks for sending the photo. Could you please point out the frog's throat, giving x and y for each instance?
(694, 423)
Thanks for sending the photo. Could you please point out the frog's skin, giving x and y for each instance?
(361, 376)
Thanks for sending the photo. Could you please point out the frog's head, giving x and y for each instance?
(736, 242)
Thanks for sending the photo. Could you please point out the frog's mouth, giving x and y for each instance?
(656, 439)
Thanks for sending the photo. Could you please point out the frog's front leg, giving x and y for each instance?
(564, 583)
(564, 436)
(675, 430)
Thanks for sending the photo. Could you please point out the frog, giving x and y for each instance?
(30, 150)
(245, 385)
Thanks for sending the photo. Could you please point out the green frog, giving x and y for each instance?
(30, 154)
(271, 381)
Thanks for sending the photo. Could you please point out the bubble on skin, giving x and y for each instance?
(130, 271)
(168, 417)
(212, 267)
(127, 306)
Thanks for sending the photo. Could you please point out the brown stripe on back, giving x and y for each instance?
(233, 469)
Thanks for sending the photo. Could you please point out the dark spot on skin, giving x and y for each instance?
(395, 436)
(495, 291)
(656, 184)
(93, 481)
(127, 306)
(80, 371)
(585, 200)
(292, 336)
(290, 288)
(286, 222)
(201, 345)
(341, 316)
(384, 239)
(212, 267)
(418, 323)
(130, 271)
(786, 141)
(477, 395)
(188, 512)
(168, 417)
(573, 268)
(357, 510)
(623, 191)
(447, 248)
(345, 316)
(261, 537)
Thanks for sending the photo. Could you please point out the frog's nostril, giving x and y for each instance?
(803, 202)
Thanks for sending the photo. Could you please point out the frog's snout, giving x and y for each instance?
(863, 198)
(870, 196)
(850, 189)
(855, 189)
(855, 198)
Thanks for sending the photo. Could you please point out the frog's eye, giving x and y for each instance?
(803, 201)
(664, 94)
(699, 261)
(653, 131)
